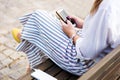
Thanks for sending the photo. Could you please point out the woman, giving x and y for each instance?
(73, 51)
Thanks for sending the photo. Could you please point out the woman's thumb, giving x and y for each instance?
(69, 23)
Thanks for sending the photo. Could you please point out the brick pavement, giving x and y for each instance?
(13, 64)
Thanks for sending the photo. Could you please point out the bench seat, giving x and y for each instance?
(106, 69)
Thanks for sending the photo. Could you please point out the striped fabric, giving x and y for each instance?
(42, 33)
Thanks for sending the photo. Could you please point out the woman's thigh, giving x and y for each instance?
(45, 32)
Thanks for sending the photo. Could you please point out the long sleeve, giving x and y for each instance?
(100, 31)
(114, 28)
(94, 36)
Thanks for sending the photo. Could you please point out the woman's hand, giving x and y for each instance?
(68, 28)
(79, 22)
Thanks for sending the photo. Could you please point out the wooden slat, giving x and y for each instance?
(110, 73)
(47, 64)
(113, 74)
(101, 66)
(54, 70)
(118, 78)
(63, 75)
(73, 77)
(59, 73)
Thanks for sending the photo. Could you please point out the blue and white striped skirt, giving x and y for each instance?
(42, 36)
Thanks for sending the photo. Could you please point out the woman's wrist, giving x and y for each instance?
(74, 38)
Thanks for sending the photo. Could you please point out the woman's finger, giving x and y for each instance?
(69, 23)
(63, 23)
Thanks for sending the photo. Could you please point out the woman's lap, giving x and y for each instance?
(43, 32)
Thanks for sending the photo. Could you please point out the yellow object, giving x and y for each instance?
(15, 33)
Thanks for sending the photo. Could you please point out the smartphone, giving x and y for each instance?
(64, 16)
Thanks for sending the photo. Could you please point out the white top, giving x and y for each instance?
(100, 30)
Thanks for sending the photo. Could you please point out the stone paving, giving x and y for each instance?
(13, 65)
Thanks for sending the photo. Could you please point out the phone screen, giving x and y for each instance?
(62, 14)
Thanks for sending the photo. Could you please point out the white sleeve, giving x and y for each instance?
(79, 52)
(94, 36)
(113, 30)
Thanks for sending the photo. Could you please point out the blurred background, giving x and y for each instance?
(11, 10)
(13, 65)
